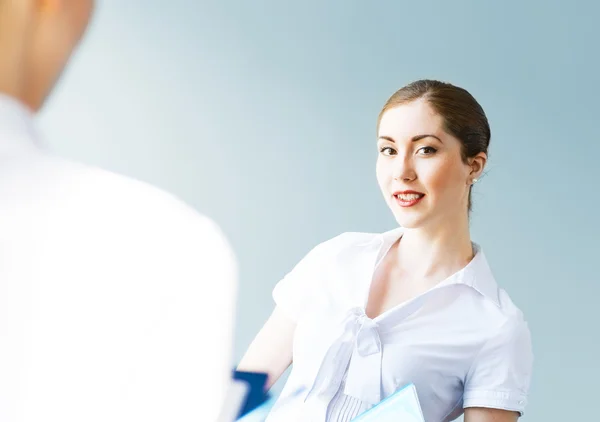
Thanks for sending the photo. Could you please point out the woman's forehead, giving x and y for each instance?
(409, 120)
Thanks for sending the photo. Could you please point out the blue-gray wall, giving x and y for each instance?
(262, 115)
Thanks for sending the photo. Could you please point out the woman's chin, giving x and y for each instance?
(409, 222)
(411, 218)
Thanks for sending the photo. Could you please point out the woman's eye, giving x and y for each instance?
(387, 151)
(427, 150)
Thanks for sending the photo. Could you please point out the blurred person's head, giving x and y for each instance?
(433, 140)
(37, 38)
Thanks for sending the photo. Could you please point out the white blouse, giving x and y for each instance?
(463, 343)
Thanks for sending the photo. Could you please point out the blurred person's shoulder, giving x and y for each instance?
(105, 202)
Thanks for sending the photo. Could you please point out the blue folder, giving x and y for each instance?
(402, 406)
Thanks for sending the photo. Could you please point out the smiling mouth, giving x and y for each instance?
(408, 199)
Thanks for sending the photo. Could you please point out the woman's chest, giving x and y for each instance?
(430, 345)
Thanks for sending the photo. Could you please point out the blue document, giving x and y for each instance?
(402, 406)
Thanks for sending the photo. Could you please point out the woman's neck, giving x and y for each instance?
(435, 251)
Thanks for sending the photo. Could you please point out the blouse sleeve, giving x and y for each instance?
(300, 286)
(500, 375)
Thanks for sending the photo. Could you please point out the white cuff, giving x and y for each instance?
(505, 400)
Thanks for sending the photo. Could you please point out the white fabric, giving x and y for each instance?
(116, 300)
(463, 343)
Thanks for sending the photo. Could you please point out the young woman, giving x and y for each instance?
(362, 315)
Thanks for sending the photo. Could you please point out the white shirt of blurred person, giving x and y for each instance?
(116, 299)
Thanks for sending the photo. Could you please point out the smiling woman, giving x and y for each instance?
(461, 116)
(363, 315)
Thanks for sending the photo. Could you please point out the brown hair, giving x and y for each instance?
(463, 117)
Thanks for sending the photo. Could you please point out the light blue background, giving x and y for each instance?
(262, 115)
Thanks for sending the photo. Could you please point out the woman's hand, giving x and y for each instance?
(271, 350)
(481, 414)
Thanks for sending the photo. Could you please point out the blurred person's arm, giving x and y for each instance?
(271, 350)
(217, 268)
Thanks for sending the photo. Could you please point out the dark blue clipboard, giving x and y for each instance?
(257, 386)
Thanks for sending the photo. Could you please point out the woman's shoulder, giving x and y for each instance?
(344, 243)
(348, 240)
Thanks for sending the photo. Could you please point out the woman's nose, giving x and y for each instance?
(403, 170)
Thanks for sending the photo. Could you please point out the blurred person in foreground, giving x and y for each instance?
(116, 299)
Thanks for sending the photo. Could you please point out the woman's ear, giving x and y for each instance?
(477, 164)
